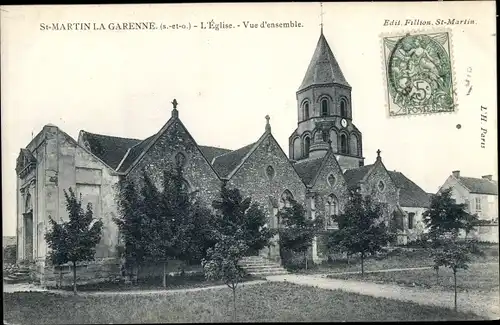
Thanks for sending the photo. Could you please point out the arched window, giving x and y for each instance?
(286, 199)
(296, 148)
(343, 108)
(343, 143)
(307, 145)
(306, 110)
(324, 107)
(354, 145)
(270, 172)
(331, 210)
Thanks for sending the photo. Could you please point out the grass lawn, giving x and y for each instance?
(173, 282)
(258, 303)
(479, 277)
(399, 258)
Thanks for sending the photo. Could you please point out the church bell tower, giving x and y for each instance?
(324, 113)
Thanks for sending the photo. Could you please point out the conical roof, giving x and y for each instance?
(323, 68)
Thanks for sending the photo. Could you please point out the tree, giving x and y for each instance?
(361, 228)
(445, 219)
(159, 237)
(56, 240)
(131, 225)
(234, 213)
(298, 231)
(222, 260)
(75, 240)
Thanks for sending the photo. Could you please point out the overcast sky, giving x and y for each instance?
(122, 82)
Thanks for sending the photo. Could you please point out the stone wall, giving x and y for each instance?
(100, 270)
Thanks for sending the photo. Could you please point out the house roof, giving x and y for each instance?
(226, 163)
(323, 68)
(109, 149)
(410, 194)
(211, 152)
(479, 185)
(308, 168)
(355, 175)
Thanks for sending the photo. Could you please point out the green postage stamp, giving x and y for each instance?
(419, 72)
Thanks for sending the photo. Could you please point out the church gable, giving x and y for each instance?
(330, 180)
(380, 186)
(170, 147)
(266, 173)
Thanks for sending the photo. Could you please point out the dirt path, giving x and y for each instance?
(26, 288)
(323, 275)
(486, 305)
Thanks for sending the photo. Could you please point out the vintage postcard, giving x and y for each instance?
(247, 162)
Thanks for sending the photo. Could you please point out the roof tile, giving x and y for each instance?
(323, 68)
(308, 168)
(480, 185)
(108, 148)
(226, 163)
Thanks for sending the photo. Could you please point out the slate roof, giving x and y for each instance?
(355, 175)
(479, 185)
(323, 68)
(226, 163)
(135, 152)
(108, 148)
(410, 194)
(308, 168)
(211, 152)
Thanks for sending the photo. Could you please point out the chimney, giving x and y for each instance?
(456, 173)
(488, 177)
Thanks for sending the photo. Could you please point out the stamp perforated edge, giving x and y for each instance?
(404, 31)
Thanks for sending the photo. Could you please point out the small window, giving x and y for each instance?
(306, 111)
(478, 204)
(180, 160)
(331, 180)
(411, 220)
(331, 210)
(343, 108)
(343, 143)
(307, 145)
(324, 107)
(324, 136)
(381, 186)
(270, 172)
(286, 199)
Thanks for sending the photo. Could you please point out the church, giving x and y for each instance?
(324, 163)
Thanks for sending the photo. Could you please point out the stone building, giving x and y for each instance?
(480, 196)
(325, 162)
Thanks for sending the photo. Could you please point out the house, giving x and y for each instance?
(480, 196)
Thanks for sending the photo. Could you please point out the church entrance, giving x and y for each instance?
(28, 236)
